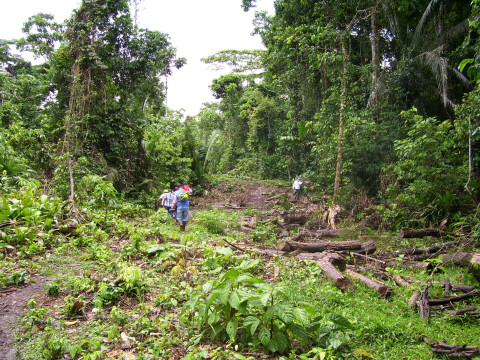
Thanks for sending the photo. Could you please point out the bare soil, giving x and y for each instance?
(12, 305)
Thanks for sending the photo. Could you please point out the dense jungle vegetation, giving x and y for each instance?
(375, 102)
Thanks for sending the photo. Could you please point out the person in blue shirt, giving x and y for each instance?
(181, 204)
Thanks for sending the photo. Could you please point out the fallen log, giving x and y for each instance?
(412, 303)
(382, 290)
(417, 265)
(400, 281)
(300, 236)
(339, 280)
(290, 246)
(424, 251)
(407, 233)
(472, 260)
(451, 299)
(333, 258)
(464, 311)
(454, 351)
(329, 232)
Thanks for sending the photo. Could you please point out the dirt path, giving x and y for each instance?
(11, 308)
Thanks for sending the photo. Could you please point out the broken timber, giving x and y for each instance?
(424, 251)
(407, 233)
(382, 290)
(290, 246)
(339, 280)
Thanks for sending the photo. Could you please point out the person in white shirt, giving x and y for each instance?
(297, 186)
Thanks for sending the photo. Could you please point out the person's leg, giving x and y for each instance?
(184, 218)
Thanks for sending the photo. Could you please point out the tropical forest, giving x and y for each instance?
(324, 206)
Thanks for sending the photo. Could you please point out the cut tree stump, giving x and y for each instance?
(290, 246)
(407, 233)
(382, 290)
(423, 304)
(339, 280)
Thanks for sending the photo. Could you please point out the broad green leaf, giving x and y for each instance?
(234, 300)
(232, 327)
(224, 251)
(285, 312)
(253, 322)
(340, 321)
(278, 343)
(299, 332)
(264, 335)
(301, 315)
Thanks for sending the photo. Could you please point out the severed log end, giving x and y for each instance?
(412, 303)
(339, 280)
(474, 266)
(382, 290)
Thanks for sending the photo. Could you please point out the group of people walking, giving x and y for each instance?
(177, 203)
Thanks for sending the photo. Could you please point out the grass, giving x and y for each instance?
(128, 284)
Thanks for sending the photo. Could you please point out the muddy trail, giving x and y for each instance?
(12, 305)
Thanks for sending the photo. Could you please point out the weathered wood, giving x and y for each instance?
(417, 265)
(407, 233)
(425, 251)
(329, 232)
(462, 259)
(339, 280)
(400, 281)
(474, 266)
(447, 286)
(454, 351)
(319, 247)
(333, 258)
(382, 290)
(423, 303)
(303, 235)
(464, 311)
(451, 299)
(412, 303)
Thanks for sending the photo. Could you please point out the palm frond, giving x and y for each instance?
(426, 15)
(438, 65)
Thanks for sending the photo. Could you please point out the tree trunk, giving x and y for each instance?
(451, 299)
(462, 259)
(424, 251)
(333, 258)
(339, 280)
(454, 351)
(290, 246)
(412, 303)
(341, 122)
(382, 290)
(407, 233)
(423, 304)
(375, 38)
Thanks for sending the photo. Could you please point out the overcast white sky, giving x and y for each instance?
(196, 28)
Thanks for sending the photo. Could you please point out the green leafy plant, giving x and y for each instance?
(242, 308)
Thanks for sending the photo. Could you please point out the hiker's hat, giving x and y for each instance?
(165, 191)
